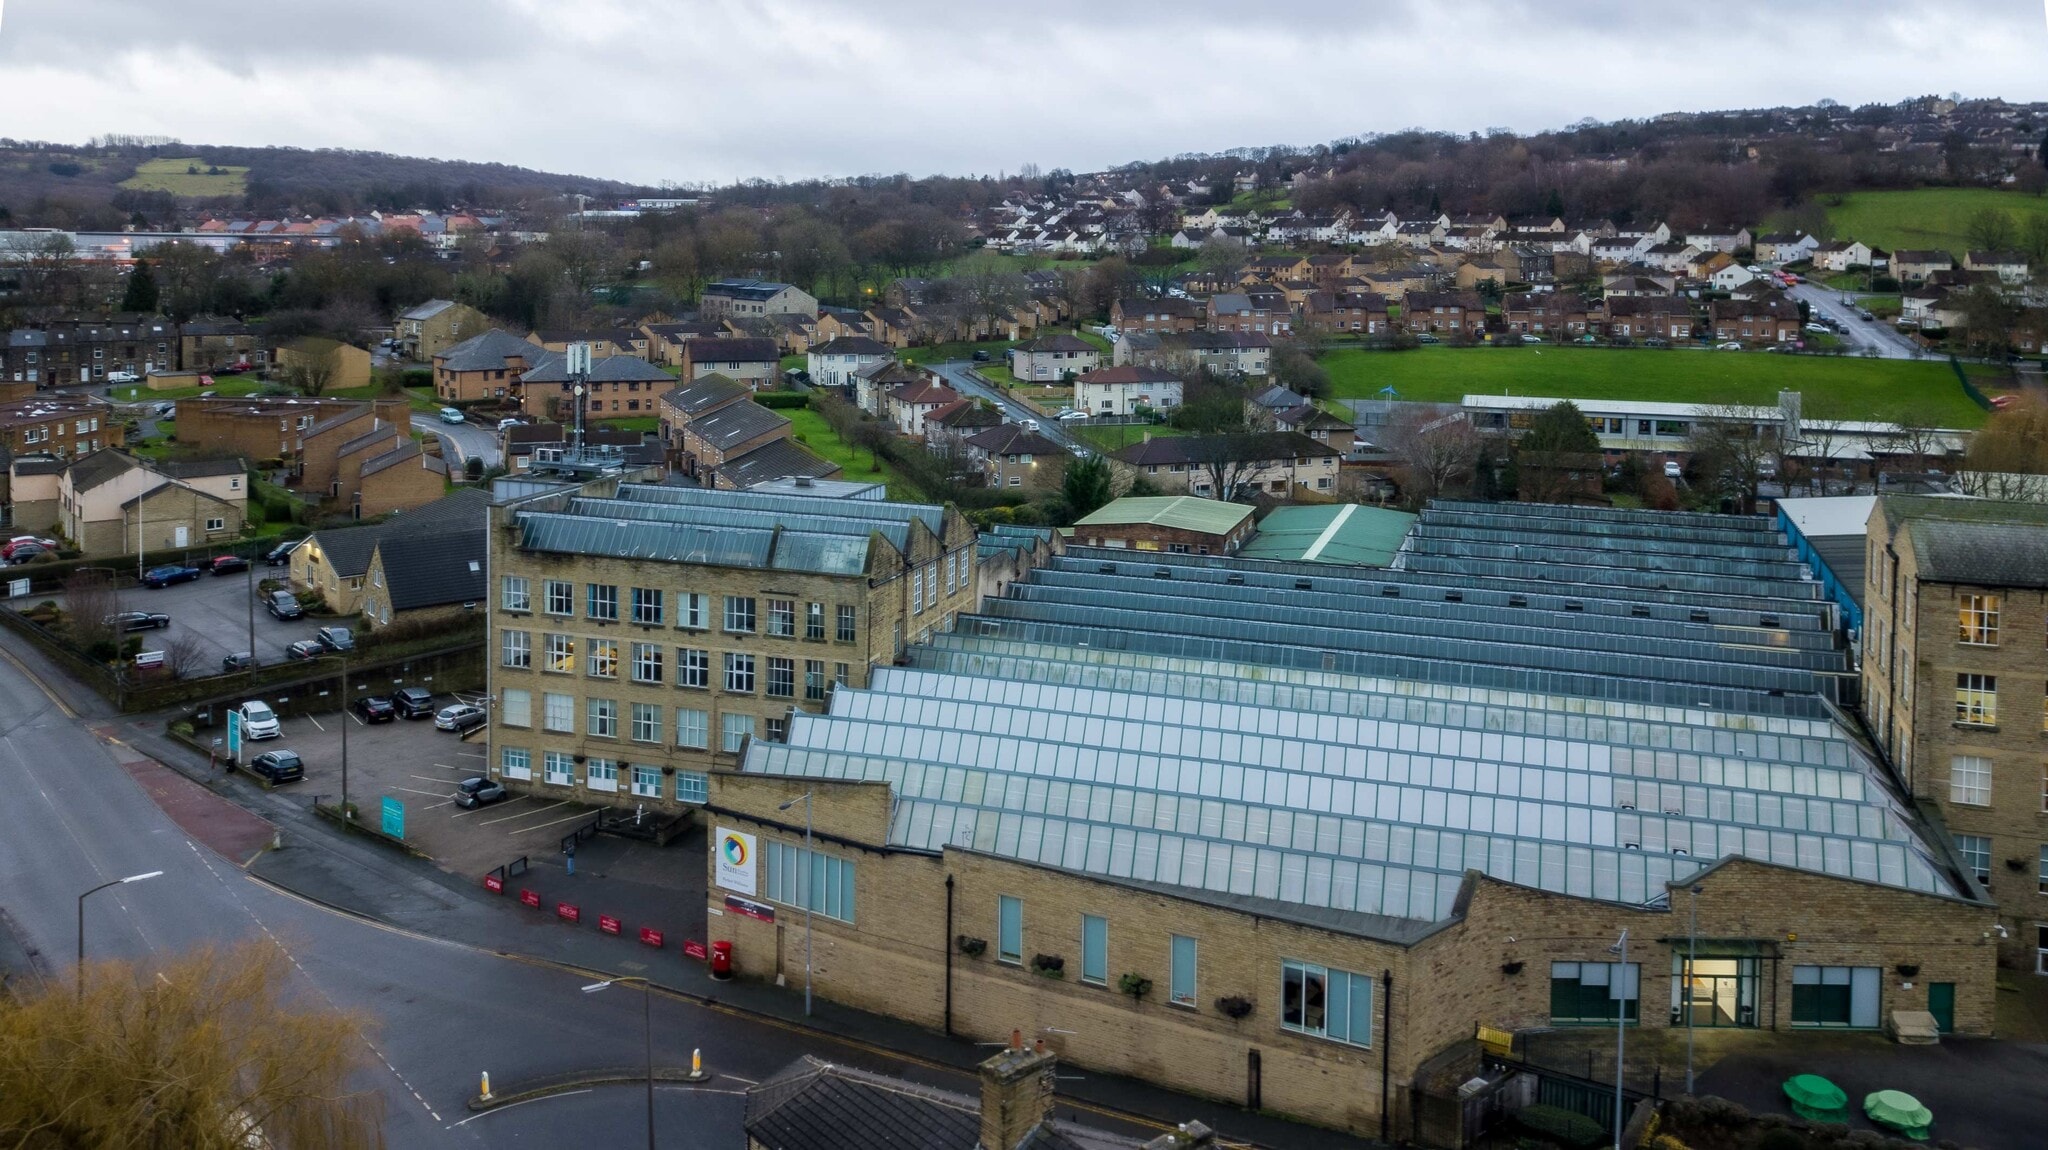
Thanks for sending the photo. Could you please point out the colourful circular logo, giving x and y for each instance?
(735, 850)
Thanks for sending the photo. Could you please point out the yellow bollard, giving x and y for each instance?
(697, 1066)
(486, 1095)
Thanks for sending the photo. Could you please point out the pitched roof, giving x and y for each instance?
(1308, 415)
(964, 413)
(1234, 447)
(1334, 533)
(428, 310)
(776, 459)
(705, 393)
(816, 1105)
(1181, 512)
(553, 367)
(852, 345)
(1982, 542)
(1128, 373)
(101, 467)
(428, 570)
(1014, 439)
(735, 424)
(488, 351)
(407, 451)
(348, 549)
(202, 468)
(924, 390)
(1059, 342)
(705, 349)
(746, 289)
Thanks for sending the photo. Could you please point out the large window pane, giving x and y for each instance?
(1181, 985)
(1094, 950)
(1009, 929)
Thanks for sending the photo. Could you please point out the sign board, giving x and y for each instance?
(394, 817)
(530, 898)
(607, 924)
(651, 937)
(235, 735)
(694, 949)
(1496, 1041)
(750, 908)
(735, 860)
(16, 588)
(494, 884)
(568, 912)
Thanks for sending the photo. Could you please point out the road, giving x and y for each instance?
(1858, 333)
(461, 441)
(956, 375)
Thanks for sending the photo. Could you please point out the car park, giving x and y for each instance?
(281, 554)
(376, 709)
(278, 766)
(228, 565)
(259, 721)
(335, 638)
(305, 649)
(450, 415)
(138, 620)
(239, 661)
(413, 702)
(478, 791)
(459, 717)
(283, 605)
(169, 574)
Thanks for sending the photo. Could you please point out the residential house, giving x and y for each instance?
(1552, 314)
(1719, 239)
(615, 387)
(1052, 358)
(112, 503)
(780, 460)
(665, 340)
(33, 499)
(335, 365)
(836, 323)
(2009, 267)
(1395, 282)
(1916, 265)
(1707, 261)
(1459, 314)
(1224, 352)
(414, 578)
(744, 298)
(401, 477)
(487, 365)
(908, 404)
(63, 426)
(1240, 312)
(1615, 251)
(947, 429)
(602, 342)
(695, 399)
(833, 363)
(873, 383)
(318, 465)
(1233, 467)
(1156, 314)
(1769, 320)
(1649, 317)
(1630, 284)
(1840, 256)
(209, 345)
(1317, 424)
(335, 562)
(1013, 458)
(1124, 391)
(1175, 524)
(1731, 276)
(1359, 313)
(260, 427)
(727, 432)
(433, 327)
(754, 362)
(1498, 268)
(1784, 248)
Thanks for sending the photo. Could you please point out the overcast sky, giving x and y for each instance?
(716, 90)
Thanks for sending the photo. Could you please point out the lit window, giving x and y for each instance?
(1977, 700)
(560, 654)
(1977, 620)
(1330, 1004)
(603, 661)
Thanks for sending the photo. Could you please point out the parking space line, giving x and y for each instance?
(438, 806)
(544, 826)
(523, 814)
(471, 754)
(426, 778)
(446, 767)
(316, 722)
(417, 791)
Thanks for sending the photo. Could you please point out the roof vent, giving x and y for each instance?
(804, 481)
(1518, 600)
(1234, 579)
(1454, 596)
(1390, 592)
(1304, 585)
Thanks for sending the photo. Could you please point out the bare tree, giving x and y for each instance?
(2008, 459)
(90, 602)
(1732, 446)
(1437, 452)
(185, 653)
(1916, 440)
(313, 365)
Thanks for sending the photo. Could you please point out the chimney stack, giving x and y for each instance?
(1016, 1093)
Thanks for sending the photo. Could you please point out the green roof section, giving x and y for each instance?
(1181, 512)
(1346, 533)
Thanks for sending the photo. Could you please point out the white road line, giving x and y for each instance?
(446, 767)
(513, 801)
(427, 778)
(438, 806)
(523, 814)
(510, 1105)
(471, 754)
(417, 791)
(544, 826)
(316, 723)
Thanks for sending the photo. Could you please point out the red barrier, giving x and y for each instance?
(651, 937)
(494, 884)
(567, 911)
(607, 924)
(530, 897)
(694, 949)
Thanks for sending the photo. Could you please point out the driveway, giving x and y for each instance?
(956, 375)
(1858, 333)
(461, 442)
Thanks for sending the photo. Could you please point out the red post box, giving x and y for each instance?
(721, 959)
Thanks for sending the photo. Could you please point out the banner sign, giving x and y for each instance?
(750, 908)
(735, 860)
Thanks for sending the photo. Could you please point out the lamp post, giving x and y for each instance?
(1620, 1029)
(81, 920)
(647, 1019)
(1692, 958)
(346, 811)
(809, 894)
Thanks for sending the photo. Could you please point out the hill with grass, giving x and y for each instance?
(1937, 218)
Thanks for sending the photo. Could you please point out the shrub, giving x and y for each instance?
(773, 399)
(416, 377)
(1781, 1139)
(1570, 1128)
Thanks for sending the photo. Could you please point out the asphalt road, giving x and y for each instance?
(461, 441)
(1858, 333)
(218, 613)
(957, 377)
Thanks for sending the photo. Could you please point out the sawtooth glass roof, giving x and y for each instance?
(1357, 740)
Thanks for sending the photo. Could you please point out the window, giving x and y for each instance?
(515, 707)
(603, 662)
(1327, 1003)
(693, 787)
(847, 631)
(693, 667)
(782, 618)
(739, 673)
(814, 679)
(515, 763)
(734, 731)
(601, 775)
(646, 781)
(646, 723)
(515, 593)
(1594, 991)
(601, 718)
(559, 768)
(2041, 872)
(1844, 996)
(950, 561)
(690, 611)
(817, 882)
(781, 677)
(1977, 620)
(647, 605)
(558, 712)
(917, 592)
(1094, 950)
(561, 654)
(1009, 930)
(693, 728)
(778, 730)
(814, 621)
(841, 673)
(516, 649)
(1976, 852)
(216, 524)
(647, 662)
(1969, 780)
(604, 601)
(561, 597)
(739, 614)
(1977, 700)
(1180, 989)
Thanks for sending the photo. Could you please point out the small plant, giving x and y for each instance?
(1049, 965)
(1235, 1006)
(971, 947)
(1135, 985)
(1562, 1125)
(1907, 969)
(1514, 967)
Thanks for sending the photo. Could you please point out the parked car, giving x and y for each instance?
(278, 766)
(1532, 339)
(166, 410)
(30, 543)
(1028, 424)
(1818, 327)
(335, 638)
(1672, 470)
(981, 355)
(1427, 337)
(137, 620)
(123, 377)
(1730, 345)
(1866, 315)
(459, 717)
(283, 605)
(281, 554)
(413, 702)
(509, 422)
(450, 415)
(239, 661)
(228, 565)
(1072, 417)
(165, 576)
(305, 649)
(376, 709)
(24, 553)
(259, 721)
(478, 792)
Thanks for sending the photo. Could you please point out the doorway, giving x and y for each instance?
(1941, 1003)
(1713, 991)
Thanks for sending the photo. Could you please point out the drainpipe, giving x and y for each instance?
(946, 944)
(1386, 1049)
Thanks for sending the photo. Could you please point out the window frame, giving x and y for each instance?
(1977, 620)
(515, 649)
(1976, 699)
(1341, 994)
(648, 604)
(1009, 930)
(600, 718)
(1179, 964)
(515, 593)
(1094, 950)
(1960, 791)
(558, 597)
(699, 722)
(740, 668)
(741, 615)
(602, 602)
(693, 668)
(645, 722)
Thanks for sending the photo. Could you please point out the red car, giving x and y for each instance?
(228, 564)
(7, 550)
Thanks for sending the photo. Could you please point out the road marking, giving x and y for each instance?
(557, 822)
(514, 800)
(521, 1102)
(316, 722)
(417, 791)
(40, 685)
(523, 814)
(427, 778)
(446, 767)
(471, 754)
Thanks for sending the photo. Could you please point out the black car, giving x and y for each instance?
(137, 620)
(239, 661)
(376, 709)
(335, 638)
(283, 605)
(165, 576)
(305, 649)
(413, 702)
(281, 554)
(981, 355)
(228, 565)
(477, 792)
(278, 766)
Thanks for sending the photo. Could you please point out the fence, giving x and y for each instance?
(1969, 389)
(45, 578)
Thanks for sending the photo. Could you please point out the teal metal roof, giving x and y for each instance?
(1338, 533)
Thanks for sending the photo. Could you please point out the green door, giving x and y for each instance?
(1941, 1003)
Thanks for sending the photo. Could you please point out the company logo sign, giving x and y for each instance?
(735, 867)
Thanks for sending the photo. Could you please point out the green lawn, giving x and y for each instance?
(1114, 436)
(1444, 375)
(1925, 217)
(640, 423)
(810, 429)
(176, 177)
(421, 398)
(222, 385)
(958, 349)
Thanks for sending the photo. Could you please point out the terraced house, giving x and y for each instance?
(646, 635)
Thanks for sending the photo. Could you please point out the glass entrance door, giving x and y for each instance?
(1714, 991)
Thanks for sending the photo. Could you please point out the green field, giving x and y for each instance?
(810, 429)
(1863, 387)
(1116, 436)
(177, 178)
(1936, 218)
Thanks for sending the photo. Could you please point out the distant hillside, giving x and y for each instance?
(104, 185)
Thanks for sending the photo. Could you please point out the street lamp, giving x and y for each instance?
(1692, 958)
(808, 893)
(1620, 1028)
(647, 1018)
(81, 921)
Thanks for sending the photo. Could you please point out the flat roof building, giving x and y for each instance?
(1332, 533)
